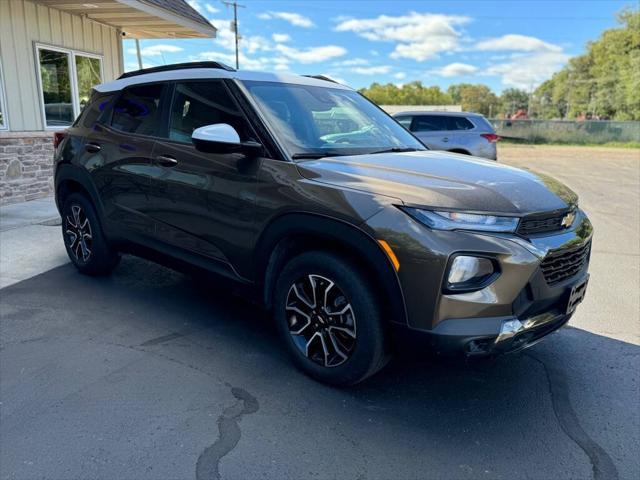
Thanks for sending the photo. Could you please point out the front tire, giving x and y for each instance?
(84, 241)
(329, 317)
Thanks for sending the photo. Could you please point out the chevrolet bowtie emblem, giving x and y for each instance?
(568, 219)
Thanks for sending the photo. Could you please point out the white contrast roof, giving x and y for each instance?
(209, 73)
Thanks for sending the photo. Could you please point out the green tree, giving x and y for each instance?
(513, 99)
(413, 93)
(474, 98)
(605, 81)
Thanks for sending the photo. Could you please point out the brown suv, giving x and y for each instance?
(351, 231)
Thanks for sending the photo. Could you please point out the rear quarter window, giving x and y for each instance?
(483, 124)
(460, 123)
(96, 110)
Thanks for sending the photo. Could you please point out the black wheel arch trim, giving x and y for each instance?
(272, 249)
(67, 172)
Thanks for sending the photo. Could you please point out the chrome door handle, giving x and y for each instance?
(445, 139)
(166, 161)
(92, 147)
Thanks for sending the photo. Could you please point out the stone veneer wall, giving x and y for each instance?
(26, 166)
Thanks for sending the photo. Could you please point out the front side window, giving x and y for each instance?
(196, 104)
(136, 111)
(313, 120)
(405, 121)
(430, 123)
(66, 80)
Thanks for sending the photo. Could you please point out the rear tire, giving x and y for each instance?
(84, 241)
(329, 317)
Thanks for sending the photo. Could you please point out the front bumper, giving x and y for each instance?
(515, 311)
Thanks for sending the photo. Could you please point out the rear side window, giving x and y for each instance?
(460, 123)
(196, 104)
(136, 110)
(429, 123)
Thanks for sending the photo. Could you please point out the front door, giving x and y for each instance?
(432, 131)
(204, 202)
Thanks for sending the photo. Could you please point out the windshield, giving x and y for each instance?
(320, 121)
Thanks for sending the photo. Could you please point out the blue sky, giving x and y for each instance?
(502, 44)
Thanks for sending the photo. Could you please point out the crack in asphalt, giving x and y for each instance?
(601, 463)
(208, 465)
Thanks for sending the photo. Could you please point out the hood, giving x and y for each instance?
(445, 180)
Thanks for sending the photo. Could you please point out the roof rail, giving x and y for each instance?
(177, 66)
(321, 77)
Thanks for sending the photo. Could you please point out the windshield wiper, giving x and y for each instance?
(312, 155)
(396, 150)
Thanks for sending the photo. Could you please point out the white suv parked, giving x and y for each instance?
(459, 132)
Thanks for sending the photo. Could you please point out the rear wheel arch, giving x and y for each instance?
(70, 179)
(293, 234)
(460, 150)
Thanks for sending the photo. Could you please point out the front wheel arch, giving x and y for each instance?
(293, 234)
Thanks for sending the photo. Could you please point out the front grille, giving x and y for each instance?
(563, 264)
(541, 223)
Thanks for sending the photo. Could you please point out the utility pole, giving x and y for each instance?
(139, 54)
(234, 26)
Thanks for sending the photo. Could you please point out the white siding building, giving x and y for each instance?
(52, 52)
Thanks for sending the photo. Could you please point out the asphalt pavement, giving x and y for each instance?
(151, 374)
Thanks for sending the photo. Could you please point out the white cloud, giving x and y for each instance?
(454, 70)
(311, 55)
(195, 4)
(211, 9)
(418, 36)
(377, 70)
(522, 43)
(248, 63)
(400, 76)
(352, 62)
(294, 19)
(155, 50)
(280, 37)
(248, 43)
(528, 71)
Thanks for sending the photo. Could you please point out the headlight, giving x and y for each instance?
(441, 220)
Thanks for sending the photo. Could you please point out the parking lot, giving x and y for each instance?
(151, 374)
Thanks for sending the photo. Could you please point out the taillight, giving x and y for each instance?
(58, 137)
(491, 137)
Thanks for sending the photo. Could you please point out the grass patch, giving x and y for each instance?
(516, 141)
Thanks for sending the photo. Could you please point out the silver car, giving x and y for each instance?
(460, 132)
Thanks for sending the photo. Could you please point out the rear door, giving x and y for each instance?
(118, 153)
(432, 130)
(464, 133)
(203, 202)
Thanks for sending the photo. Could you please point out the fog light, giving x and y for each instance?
(467, 272)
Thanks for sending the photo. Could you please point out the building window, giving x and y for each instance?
(4, 123)
(66, 80)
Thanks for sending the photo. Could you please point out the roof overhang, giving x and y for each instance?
(136, 18)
